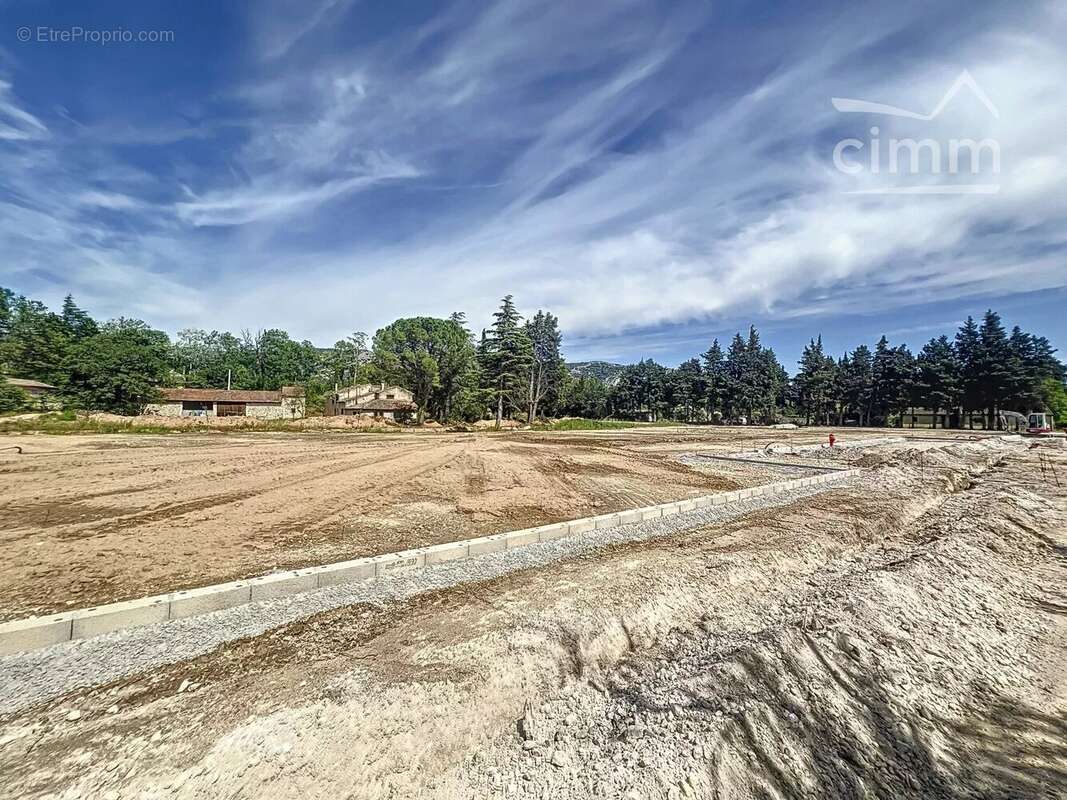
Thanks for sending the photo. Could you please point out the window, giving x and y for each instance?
(390, 396)
(231, 410)
(197, 406)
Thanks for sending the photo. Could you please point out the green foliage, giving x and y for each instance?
(816, 383)
(430, 357)
(506, 357)
(517, 368)
(117, 369)
(938, 378)
(13, 399)
(1053, 396)
(584, 396)
(546, 373)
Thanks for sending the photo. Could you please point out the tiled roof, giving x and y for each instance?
(230, 395)
(26, 383)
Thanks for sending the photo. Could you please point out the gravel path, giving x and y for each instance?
(42, 675)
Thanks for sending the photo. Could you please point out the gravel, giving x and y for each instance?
(42, 675)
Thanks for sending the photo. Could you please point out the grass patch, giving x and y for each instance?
(70, 422)
(67, 422)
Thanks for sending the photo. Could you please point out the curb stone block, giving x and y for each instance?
(547, 533)
(360, 569)
(34, 633)
(629, 517)
(521, 538)
(651, 512)
(191, 602)
(398, 563)
(281, 584)
(116, 616)
(439, 553)
(580, 525)
(488, 544)
(605, 521)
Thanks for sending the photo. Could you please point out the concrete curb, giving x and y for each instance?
(37, 632)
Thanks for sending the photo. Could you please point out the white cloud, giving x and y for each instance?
(17, 124)
(731, 206)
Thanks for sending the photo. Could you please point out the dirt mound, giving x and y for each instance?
(505, 424)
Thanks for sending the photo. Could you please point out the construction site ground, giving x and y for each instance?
(91, 519)
(904, 635)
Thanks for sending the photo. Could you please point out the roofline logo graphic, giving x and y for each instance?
(913, 161)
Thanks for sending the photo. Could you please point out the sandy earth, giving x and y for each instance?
(91, 519)
(901, 639)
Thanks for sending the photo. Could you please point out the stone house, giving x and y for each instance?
(372, 400)
(285, 403)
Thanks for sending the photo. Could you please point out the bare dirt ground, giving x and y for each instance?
(91, 519)
(905, 638)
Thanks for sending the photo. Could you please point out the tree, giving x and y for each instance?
(713, 364)
(117, 369)
(79, 324)
(1053, 396)
(938, 377)
(12, 398)
(36, 340)
(458, 372)
(968, 353)
(546, 370)
(641, 391)
(347, 362)
(506, 354)
(815, 382)
(994, 358)
(584, 396)
(856, 383)
(688, 389)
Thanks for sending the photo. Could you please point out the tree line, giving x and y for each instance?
(513, 368)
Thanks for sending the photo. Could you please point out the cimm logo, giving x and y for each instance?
(923, 166)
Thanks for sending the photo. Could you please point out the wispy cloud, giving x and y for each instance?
(628, 165)
(17, 124)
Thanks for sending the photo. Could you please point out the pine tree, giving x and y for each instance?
(713, 365)
(815, 382)
(938, 377)
(856, 383)
(507, 354)
(968, 353)
(994, 365)
(546, 370)
(79, 324)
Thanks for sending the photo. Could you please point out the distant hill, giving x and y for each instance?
(604, 370)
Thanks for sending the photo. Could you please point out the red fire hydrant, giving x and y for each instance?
(832, 440)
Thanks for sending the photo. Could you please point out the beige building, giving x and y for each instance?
(372, 400)
(286, 403)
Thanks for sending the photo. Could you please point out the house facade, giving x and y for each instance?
(372, 400)
(285, 403)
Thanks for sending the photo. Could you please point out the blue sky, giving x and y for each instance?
(656, 174)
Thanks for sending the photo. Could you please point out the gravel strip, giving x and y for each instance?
(42, 675)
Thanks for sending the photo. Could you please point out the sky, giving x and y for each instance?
(656, 174)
